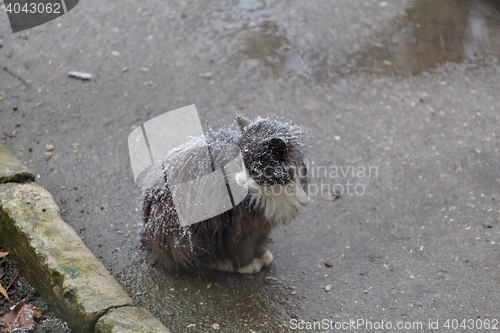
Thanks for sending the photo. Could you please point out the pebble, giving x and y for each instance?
(271, 278)
(216, 326)
(206, 75)
(328, 287)
(330, 196)
(49, 147)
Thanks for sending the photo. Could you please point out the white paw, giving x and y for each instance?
(225, 265)
(253, 268)
(267, 258)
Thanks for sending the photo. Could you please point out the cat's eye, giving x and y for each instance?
(255, 169)
(269, 172)
(256, 172)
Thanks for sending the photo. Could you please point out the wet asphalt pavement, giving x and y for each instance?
(403, 93)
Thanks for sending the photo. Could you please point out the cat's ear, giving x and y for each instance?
(278, 148)
(242, 121)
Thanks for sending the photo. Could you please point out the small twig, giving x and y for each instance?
(15, 75)
(10, 137)
(12, 281)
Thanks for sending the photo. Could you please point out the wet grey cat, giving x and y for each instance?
(275, 176)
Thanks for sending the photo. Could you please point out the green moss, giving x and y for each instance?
(55, 259)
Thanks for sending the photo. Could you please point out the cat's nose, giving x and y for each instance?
(241, 178)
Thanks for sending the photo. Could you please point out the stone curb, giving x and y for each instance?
(129, 320)
(51, 254)
(11, 170)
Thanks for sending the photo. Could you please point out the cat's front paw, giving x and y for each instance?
(267, 258)
(253, 268)
(226, 265)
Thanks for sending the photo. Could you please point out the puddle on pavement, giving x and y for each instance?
(266, 46)
(194, 302)
(430, 34)
(435, 32)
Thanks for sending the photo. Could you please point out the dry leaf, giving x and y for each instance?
(20, 317)
(4, 292)
(169, 311)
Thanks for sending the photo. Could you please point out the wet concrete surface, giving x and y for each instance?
(408, 88)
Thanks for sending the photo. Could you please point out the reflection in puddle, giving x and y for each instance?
(436, 32)
(187, 303)
(265, 45)
(432, 33)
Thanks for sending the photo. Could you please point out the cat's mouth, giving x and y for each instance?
(242, 178)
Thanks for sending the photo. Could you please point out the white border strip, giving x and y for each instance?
(64, 6)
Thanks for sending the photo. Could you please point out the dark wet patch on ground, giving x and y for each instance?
(264, 46)
(431, 33)
(435, 32)
(196, 301)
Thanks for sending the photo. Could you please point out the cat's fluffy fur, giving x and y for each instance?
(276, 178)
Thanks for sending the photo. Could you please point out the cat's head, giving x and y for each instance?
(272, 150)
